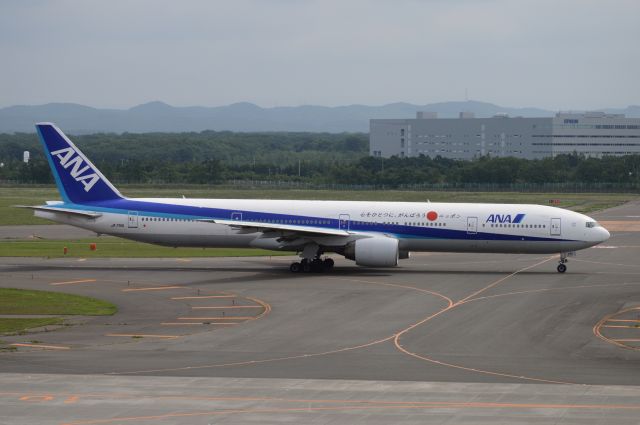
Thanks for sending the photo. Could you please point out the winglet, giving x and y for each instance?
(78, 180)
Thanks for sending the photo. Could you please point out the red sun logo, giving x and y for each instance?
(432, 215)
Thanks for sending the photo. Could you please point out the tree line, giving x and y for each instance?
(319, 158)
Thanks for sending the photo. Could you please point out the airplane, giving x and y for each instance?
(373, 234)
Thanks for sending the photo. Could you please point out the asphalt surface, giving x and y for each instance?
(506, 326)
(45, 231)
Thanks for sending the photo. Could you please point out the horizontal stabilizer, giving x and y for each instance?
(87, 214)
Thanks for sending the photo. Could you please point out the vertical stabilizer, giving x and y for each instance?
(78, 180)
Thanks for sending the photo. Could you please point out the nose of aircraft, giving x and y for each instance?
(603, 234)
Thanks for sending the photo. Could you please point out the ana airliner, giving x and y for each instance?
(374, 234)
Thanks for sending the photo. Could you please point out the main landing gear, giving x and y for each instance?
(562, 266)
(311, 261)
(317, 265)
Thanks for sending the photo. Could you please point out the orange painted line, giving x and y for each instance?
(597, 329)
(156, 288)
(628, 340)
(624, 320)
(37, 398)
(621, 326)
(229, 306)
(203, 296)
(146, 335)
(216, 318)
(267, 307)
(469, 298)
(46, 347)
(71, 282)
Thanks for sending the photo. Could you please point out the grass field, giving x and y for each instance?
(581, 202)
(23, 301)
(112, 247)
(29, 302)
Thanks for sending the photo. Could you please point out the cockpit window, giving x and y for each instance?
(591, 224)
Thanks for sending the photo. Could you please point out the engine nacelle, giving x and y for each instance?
(374, 252)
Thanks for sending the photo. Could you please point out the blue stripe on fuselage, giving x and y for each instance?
(188, 212)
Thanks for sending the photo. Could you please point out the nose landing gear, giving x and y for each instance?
(563, 260)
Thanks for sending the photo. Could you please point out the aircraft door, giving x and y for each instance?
(343, 222)
(472, 225)
(555, 227)
(133, 219)
(237, 216)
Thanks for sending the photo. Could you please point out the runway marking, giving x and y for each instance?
(266, 311)
(146, 336)
(426, 291)
(71, 282)
(266, 305)
(532, 291)
(627, 340)
(463, 301)
(156, 288)
(37, 398)
(203, 297)
(43, 346)
(72, 399)
(226, 307)
(499, 281)
(620, 326)
(624, 320)
(379, 406)
(395, 337)
(598, 326)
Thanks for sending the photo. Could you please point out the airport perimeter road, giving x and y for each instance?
(456, 318)
(95, 399)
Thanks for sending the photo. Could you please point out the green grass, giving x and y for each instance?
(113, 247)
(23, 301)
(13, 326)
(581, 202)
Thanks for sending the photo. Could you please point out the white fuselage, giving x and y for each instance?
(431, 226)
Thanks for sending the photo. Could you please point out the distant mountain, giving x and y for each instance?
(160, 117)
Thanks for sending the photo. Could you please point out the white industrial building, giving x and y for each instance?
(593, 134)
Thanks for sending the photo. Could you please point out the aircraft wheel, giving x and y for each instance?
(317, 266)
(328, 263)
(295, 267)
(562, 268)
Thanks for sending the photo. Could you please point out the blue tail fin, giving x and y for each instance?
(78, 180)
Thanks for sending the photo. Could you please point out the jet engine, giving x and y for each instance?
(373, 252)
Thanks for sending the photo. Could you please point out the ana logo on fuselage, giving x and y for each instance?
(70, 158)
(505, 218)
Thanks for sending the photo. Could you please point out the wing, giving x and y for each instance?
(265, 227)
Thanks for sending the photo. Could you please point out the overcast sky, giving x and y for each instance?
(554, 54)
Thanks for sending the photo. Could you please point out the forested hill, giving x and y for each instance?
(160, 117)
